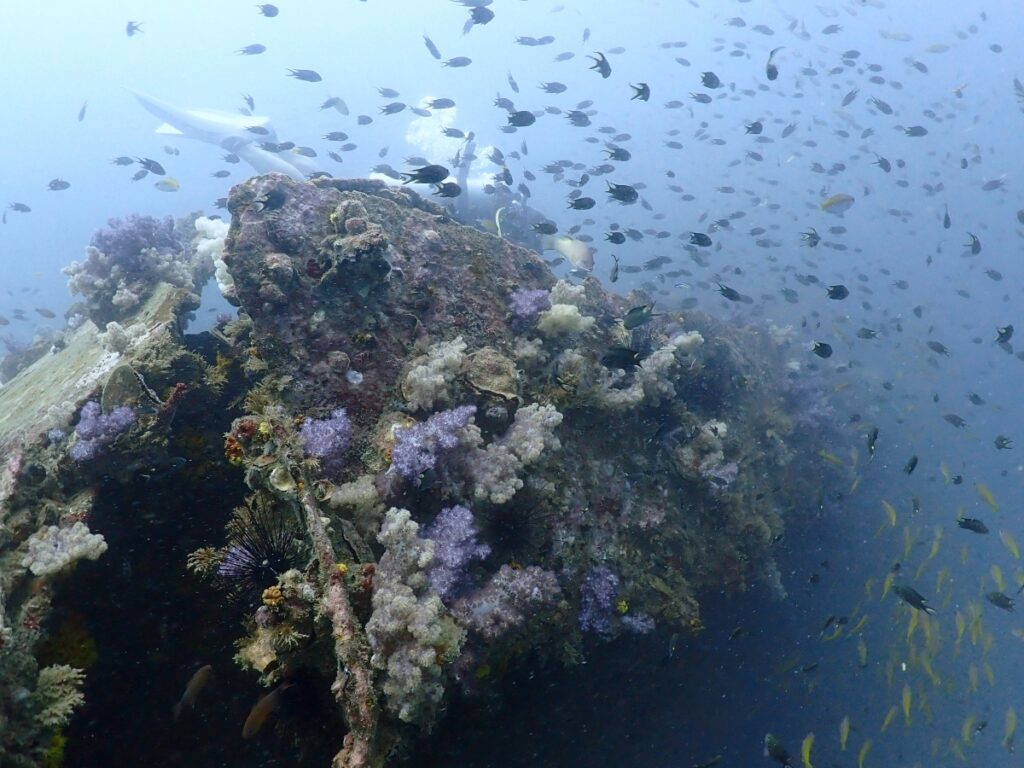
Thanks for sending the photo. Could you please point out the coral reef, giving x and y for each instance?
(389, 371)
(126, 260)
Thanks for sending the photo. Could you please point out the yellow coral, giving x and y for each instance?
(622, 606)
(342, 568)
(273, 596)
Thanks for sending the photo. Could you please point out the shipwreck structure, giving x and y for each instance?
(412, 459)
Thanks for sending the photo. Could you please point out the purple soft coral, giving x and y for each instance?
(455, 546)
(596, 596)
(416, 448)
(328, 439)
(124, 239)
(96, 430)
(525, 303)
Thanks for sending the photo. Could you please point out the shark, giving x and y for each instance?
(229, 131)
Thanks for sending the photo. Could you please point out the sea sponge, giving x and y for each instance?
(51, 549)
(428, 380)
(563, 319)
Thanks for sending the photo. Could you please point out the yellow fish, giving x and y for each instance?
(890, 511)
(861, 623)
(986, 496)
(997, 577)
(169, 184)
(889, 717)
(972, 679)
(838, 204)
(863, 754)
(908, 698)
(869, 588)
(805, 750)
(912, 624)
(1011, 729)
(862, 652)
(887, 584)
(855, 484)
(945, 472)
(831, 458)
(1011, 543)
(935, 543)
(967, 729)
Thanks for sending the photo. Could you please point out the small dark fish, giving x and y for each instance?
(1003, 335)
(393, 108)
(448, 189)
(955, 420)
(601, 65)
(364, 120)
(261, 710)
(774, 749)
(616, 238)
(848, 98)
(512, 83)
(133, 28)
(49, 314)
(194, 687)
(882, 163)
(1000, 600)
(913, 598)
(730, 293)
(911, 465)
(553, 87)
(638, 316)
(974, 244)
(624, 193)
(872, 441)
(770, 69)
(428, 174)
(81, 112)
(822, 350)
(545, 228)
(522, 118)
(710, 80)
(123, 160)
(702, 240)
(838, 292)
(972, 524)
(432, 48)
(57, 185)
(306, 75)
(582, 203)
(1003, 443)
(441, 104)
(140, 174)
(268, 10)
(755, 128)
(916, 130)
(458, 61)
(939, 348)
(621, 357)
(867, 333)
(975, 398)
(641, 91)
(480, 15)
(151, 165)
(810, 238)
(946, 223)
(258, 130)
(220, 174)
(252, 50)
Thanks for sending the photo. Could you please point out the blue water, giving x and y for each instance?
(718, 696)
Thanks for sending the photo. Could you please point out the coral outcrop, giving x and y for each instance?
(440, 459)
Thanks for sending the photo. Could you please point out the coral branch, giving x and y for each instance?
(353, 685)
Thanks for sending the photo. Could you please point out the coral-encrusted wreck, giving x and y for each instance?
(414, 457)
